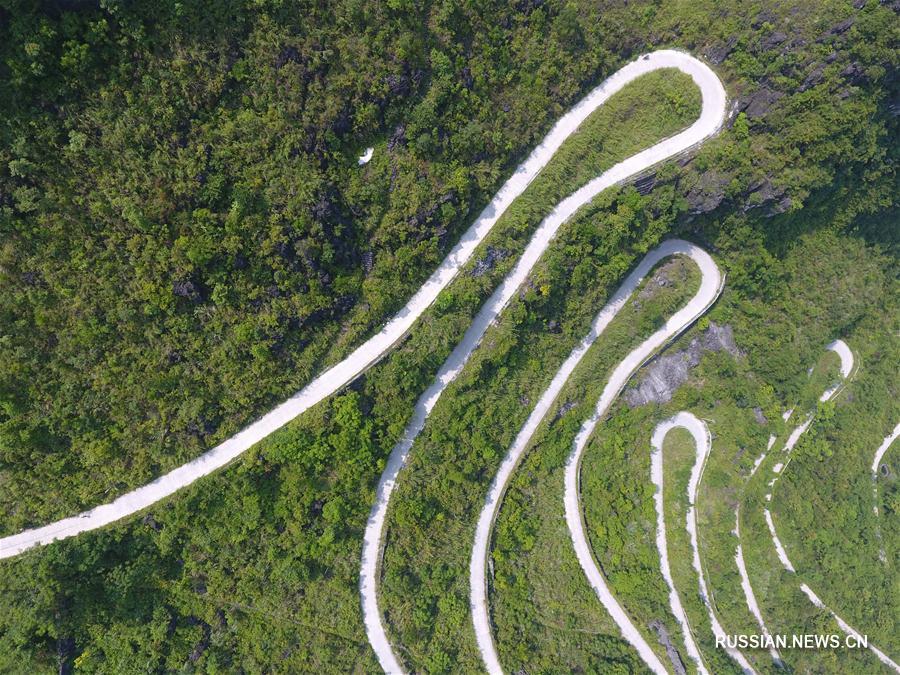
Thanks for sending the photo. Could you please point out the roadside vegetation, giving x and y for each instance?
(539, 608)
(544, 611)
(830, 531)
(185, 238)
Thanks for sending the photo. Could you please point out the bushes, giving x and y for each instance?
(184, 240)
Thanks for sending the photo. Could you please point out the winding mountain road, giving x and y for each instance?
(710, 286)
(703, 444)
(710, 121)
(840, 348)
(696, 428)
(375, 348)
(876, 461)
(747, 588)
(372, 350)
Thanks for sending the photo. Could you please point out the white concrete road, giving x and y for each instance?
(883, 448)
(849, 630)
(698, 431)
(711, 117)
(709, 290)
(710, 121)
(373, 349)
(840, 348)
(703, 443)
(710, 287)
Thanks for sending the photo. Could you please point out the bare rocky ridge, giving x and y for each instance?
(667, 373)
(662, 636)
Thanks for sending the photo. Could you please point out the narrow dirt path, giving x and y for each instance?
(847, 364)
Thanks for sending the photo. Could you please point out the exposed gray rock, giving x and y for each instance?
(368, 261)
(662, 636)
(564, 408)
(708, 193)
(816, 75)
(894, 106)
(765, 16)
(842, 27)
(768, 195)
(645, 184)
(398, 138)
(666, 374)
(185, 288)
(854, 73)
(486, 264)
(773, 40)
(759, 103)
(662, 279)
(721, 51)
(760, 418)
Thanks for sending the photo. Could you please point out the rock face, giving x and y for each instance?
(720, 52)
(645, 184)
(667, 373)
(760, 102)
(486, 264)
(708, 193)
(662, 636)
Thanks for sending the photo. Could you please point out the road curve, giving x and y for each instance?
(876, 462)
(478, 563)
(884, 447)
(710, 121)
(697, 429)
(710, 287)
(372, 350)
(703, 443)
(840, 348)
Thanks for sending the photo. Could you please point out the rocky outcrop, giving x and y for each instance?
(708, 192)
(666, 374)
(662, 636)
(720, 52)
(645, 184)
(772, 198)
(486, 263)
(760, 102)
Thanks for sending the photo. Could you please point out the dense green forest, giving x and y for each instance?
(186, 238)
